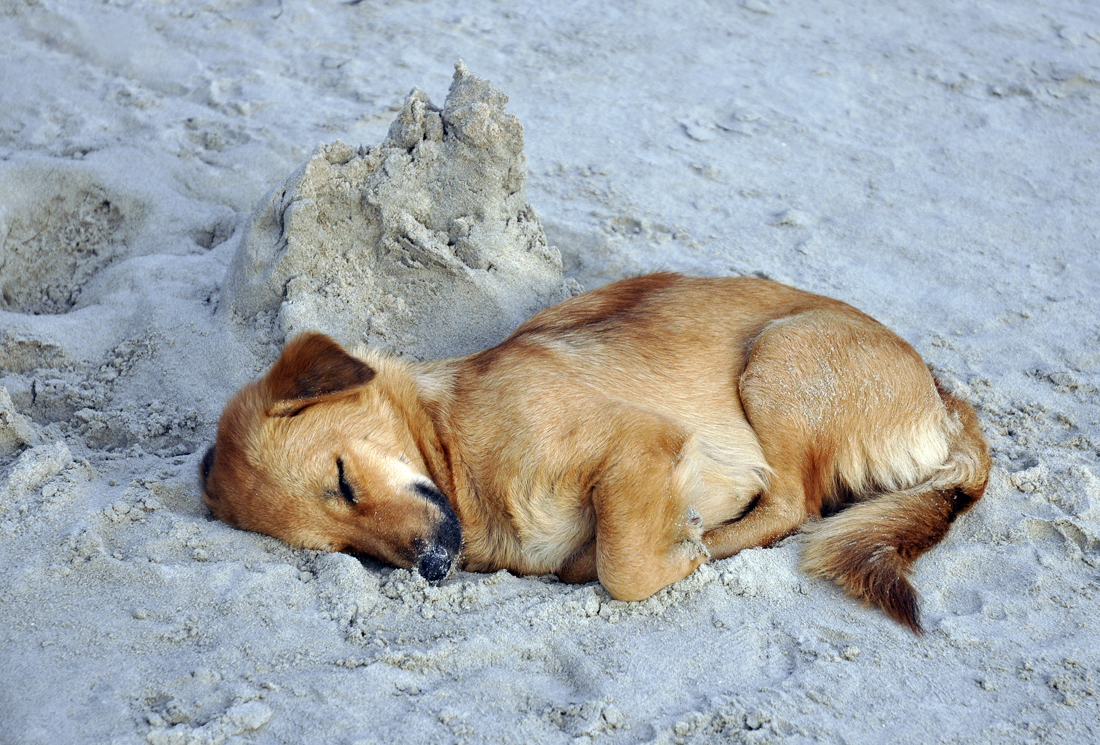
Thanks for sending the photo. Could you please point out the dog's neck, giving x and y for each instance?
(427, 405)
(432, 423)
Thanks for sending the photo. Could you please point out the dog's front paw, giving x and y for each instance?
(692, 542)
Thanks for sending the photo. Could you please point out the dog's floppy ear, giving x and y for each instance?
(312, 367)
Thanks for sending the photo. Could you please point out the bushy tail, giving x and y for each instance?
(869, 548)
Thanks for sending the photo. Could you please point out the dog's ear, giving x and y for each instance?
(312, 367)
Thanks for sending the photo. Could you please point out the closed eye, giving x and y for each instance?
(345, 488)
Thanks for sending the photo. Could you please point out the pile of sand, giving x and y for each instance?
(424, 244)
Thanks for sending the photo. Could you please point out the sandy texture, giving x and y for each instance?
(937, 167)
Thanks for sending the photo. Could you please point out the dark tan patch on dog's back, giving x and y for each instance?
(604, 309)
(619, 308)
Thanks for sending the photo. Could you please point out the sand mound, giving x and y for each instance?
(424, 244)
(55, 235)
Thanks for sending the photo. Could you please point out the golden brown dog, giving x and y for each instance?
(628, 435)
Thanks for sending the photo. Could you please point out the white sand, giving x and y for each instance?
(937, 168)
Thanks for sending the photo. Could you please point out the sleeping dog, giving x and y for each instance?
(626, 435)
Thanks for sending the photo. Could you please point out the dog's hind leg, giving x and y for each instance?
(779, 510)
(846, 412)
(647, 533)
(822, 390)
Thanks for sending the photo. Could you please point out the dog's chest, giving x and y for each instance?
(550, 522)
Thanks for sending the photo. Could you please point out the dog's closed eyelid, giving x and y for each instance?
(345, 488)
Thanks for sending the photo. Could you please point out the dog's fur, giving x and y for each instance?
(628, 435)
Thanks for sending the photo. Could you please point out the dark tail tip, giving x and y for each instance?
(868, 568)
(898, 600)
(879, 578)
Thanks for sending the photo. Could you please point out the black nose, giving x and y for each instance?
(437, 556)
(435, 562)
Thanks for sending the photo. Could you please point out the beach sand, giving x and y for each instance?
(182, 185)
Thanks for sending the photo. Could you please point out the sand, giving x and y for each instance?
(401, 245)
(182, 185)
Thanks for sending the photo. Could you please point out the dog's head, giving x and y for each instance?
(317, 454)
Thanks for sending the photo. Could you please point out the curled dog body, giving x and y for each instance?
(626, 435)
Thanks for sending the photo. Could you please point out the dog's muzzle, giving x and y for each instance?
(436, 557)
